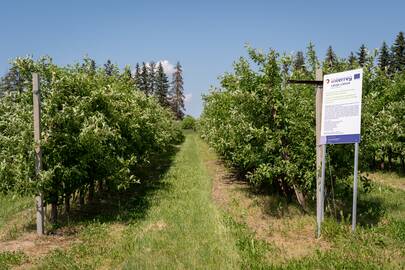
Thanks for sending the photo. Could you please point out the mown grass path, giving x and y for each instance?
(184, 229)
(180, 227)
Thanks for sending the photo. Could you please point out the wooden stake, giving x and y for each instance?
(38, 153)
(319, 151)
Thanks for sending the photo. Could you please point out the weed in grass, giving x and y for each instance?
(397, 230)
(9, 259)
(252, 251)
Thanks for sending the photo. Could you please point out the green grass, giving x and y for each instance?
(378, 242)
(170, 221)
(10, 259)
(181, 228)
(392, 179)
(10, 205)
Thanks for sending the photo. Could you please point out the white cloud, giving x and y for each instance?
(187, 97)
(167, 67)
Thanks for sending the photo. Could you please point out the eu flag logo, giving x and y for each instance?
(357, 76)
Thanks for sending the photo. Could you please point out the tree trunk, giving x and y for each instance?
(382, 165)
(300, 198)
(282, 188)
(390, 159)
(374, 164)
(91, 192)
(54, 213)
(81, 198)
(67, 203)
(100, 186)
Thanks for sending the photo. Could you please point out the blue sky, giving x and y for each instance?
(205, 36)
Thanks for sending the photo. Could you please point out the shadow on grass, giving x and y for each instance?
(127, 206)
(370, 207)
(370, 210)
(272, 203)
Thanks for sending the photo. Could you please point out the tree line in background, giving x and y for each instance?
(389, 59)
(98, 132)
(149, 78)
(152, 80)
(265, 127)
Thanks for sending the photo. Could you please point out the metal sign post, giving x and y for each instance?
(323, 183)
(321, 194)
(38, 153)
(354, 209)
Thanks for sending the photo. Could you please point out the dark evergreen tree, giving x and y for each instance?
(143, 79)
(2, 91)
(151, 78)
(330, 59)
(299, 62)
(362, 55)
(89, 65)
(352, 60)
(177, 93)
(109, 68)
(162, 86)
(12, 82)
(92, 66)
(137, 76)
(384, 57)
(398, 53)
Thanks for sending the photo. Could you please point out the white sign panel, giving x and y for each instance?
(341, 107)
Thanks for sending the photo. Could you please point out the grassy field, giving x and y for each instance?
(11, 205)
(284, 236)
(192, 213)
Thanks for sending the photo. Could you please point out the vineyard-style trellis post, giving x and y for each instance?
(320, 149)
(38, 153)
(320, 154)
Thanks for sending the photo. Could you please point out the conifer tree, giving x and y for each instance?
(151, 78)
(92, 66)
(108, 68)
(362, 55)
(398, 53)
(162, 86)
(89, 65)
(331, 59)
(137, 76)
(143, 79)
(177, 92)
(384, 57)
(12, 81)
(352, 60)
(312, 59)
(299, 62)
